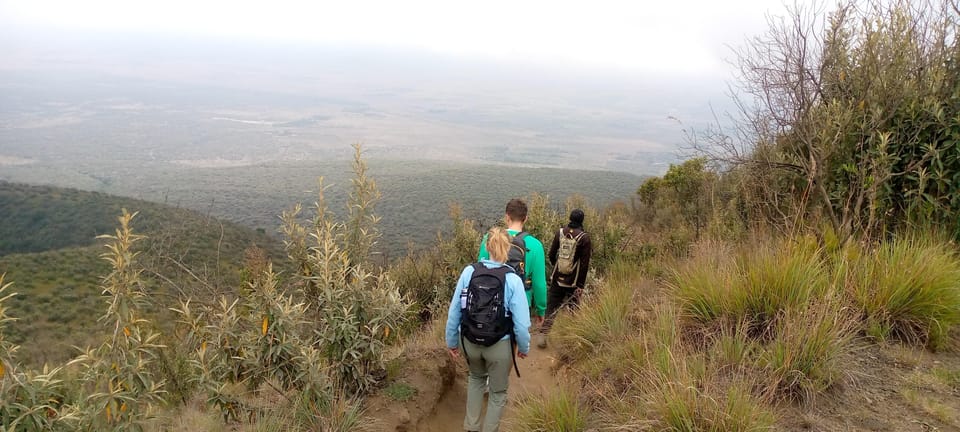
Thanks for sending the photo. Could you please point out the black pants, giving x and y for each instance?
(557, 297)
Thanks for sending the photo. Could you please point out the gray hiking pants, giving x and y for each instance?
(493, 362)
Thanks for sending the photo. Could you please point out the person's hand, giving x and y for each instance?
(454, 352)
(521, 355)
(538, 320)
(578, 292)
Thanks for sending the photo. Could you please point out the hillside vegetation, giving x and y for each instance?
(50, 249)
(310, 342)
(802, 274)
(39, 219)
(772, 334)
(416, 194)
(806, 274)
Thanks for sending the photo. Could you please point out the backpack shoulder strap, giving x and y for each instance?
(478, 267)
(513, 352)
(521, 235)
(580, 236)
(498, 272)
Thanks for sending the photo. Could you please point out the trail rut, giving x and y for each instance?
(536, 378)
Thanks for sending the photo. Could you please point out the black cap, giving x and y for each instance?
(576, 218)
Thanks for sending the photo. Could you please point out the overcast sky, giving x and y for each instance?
(689, 37)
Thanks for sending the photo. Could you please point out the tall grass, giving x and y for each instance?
(340, 413)
(704, 286)
(774, 281)
(733, 349)
(687, 389)
(682, 406)
(909, 288)
(810, 352)
(769, 311)
(777, 321)
(603, 318)
(754, 285)
(556, 411)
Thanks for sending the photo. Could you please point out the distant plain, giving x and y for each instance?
(243, 131)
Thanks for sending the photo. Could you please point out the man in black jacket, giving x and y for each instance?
(570, 256)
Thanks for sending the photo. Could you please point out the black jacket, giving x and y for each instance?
(581, 256)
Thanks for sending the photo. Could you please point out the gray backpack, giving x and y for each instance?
(566, 264)
(517, 257)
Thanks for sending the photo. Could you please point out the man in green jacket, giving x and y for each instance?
(535, 263)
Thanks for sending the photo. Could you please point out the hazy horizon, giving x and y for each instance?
(689, 36)
(243, 102)
(133, 85)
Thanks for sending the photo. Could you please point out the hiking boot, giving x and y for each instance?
(541, 341)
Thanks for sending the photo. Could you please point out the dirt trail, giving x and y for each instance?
(536, 378)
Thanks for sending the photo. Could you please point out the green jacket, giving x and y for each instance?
(536, 270)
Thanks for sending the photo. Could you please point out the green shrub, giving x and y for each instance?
(176, 371)
(250, 343)
(120, 390)
(354, 305)
(543, 220)
(907, 288)
(35, 401)
(400, 391)
(29, 401)
(427, 277)
(611, 230)
(611, 233)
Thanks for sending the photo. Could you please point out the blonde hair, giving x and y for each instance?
(498, 244)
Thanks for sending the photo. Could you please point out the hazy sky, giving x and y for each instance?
(687, 37)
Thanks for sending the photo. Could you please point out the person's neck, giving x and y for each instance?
(516, 226)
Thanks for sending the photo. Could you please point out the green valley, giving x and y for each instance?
(50, 252)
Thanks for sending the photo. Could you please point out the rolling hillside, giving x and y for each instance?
(48, 249)
(416, 194)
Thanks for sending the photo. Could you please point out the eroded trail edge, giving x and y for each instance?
(440, 405)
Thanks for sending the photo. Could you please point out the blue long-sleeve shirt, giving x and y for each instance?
(515, 301)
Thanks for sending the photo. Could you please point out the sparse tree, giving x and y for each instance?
(686, 189)
(850, 115)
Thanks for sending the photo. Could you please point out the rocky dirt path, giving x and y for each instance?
(536, 378)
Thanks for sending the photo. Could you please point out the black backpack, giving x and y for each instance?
(484, 319)
(517, 257)
(484, 314)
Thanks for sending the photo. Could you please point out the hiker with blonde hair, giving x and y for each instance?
(488, 318)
